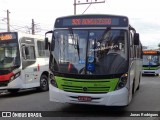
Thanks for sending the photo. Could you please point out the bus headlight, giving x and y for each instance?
(52, 80)
(51, 76)
(122, 82)
(14, 76)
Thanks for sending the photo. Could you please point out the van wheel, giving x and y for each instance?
(44, 83)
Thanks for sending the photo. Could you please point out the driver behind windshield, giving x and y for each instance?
(111, 60)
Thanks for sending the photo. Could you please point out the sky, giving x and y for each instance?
(143, 15)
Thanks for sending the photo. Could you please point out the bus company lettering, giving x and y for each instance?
(92, 21)
(104, 48)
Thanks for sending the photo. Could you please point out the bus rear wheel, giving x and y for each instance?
(44, 83)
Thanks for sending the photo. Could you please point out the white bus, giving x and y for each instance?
(151, 62)
(94, 59)
(23, 62)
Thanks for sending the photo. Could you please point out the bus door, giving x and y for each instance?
(28, 63)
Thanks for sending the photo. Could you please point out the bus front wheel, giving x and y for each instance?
(43, 83)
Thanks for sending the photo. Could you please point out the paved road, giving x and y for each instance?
(147, 98)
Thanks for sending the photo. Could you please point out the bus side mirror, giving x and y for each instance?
(46, 43)
(136, 39)
(52, 45)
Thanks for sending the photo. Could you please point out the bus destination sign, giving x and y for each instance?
(7, 36)
(150, 52)
(91, 21)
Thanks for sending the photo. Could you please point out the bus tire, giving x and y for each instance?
(44, 83)
(138, 86)
(139, 83)
(13, 91)
(133, 88)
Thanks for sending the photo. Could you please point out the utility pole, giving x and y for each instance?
(33, 27)
(74, 7)
(87, 2)
(8, 21)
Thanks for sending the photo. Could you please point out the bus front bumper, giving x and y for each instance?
(115, 98)
(15, 84)
(151, 71)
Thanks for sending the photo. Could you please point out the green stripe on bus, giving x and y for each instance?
(150, 68)
(86, 85)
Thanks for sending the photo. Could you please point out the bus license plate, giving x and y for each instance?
(84, 98)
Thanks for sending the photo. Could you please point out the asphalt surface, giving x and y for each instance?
(147, 98)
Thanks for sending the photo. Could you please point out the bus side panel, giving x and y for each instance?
(34, 72)
(131, 78)
(138, 72)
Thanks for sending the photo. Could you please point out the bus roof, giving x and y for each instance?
(92, 20)
(21, 34)
(10, 36)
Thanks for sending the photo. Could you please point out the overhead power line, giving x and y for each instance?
(33, 28)
(87, 8)
(90, 2)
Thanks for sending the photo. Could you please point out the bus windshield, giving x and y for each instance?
(90, 51)
(9, 55)
(150, 60)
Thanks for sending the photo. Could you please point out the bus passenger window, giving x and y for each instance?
(31, 52)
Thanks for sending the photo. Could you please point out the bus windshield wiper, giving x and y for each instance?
(76, 42)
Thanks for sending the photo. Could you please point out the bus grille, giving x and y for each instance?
(86, 86)
(150, 68)
(86, 89)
